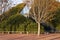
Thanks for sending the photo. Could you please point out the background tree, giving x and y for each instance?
(12, 11)
(10, 14)
(56, 21)
(6, 4)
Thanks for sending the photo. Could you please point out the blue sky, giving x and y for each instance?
(17, 1)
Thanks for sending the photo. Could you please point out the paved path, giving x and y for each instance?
(30, 37)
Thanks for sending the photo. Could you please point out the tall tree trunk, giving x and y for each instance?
(38, 28)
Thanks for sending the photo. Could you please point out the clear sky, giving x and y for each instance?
(17, 1)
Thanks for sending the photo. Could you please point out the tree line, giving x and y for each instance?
(44, 15)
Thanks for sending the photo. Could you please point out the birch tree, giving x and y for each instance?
(40, 11)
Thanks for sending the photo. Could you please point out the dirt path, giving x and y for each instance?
(30, 37)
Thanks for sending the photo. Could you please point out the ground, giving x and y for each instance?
(29, 37)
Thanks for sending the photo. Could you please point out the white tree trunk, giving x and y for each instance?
(38, 28)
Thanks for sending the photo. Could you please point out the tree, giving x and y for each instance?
(14, 10)
(11, 14)
(56, 21)
(6, 4)
(41, 11)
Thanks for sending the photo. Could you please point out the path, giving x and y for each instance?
(30, 37)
